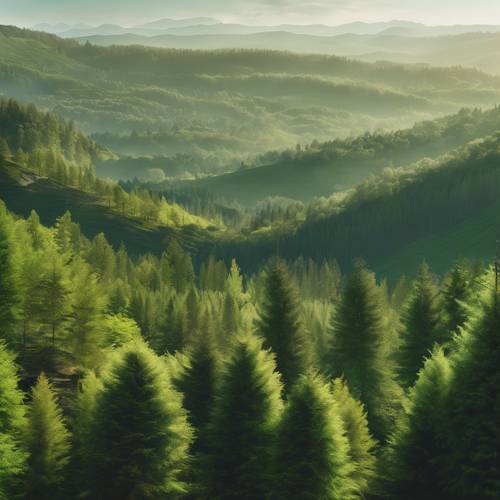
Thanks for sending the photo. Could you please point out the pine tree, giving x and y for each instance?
(246, 410)
(85, 322)
(139, 435)
(421, 326)
(312, 452)
(198, 383)
(413, 462)
(9, 293)
(281, 326)
(12, 458)
(46, 440)
(362, 446)
(360, 352)
(456, 293)
(473, 409)
(230, 320)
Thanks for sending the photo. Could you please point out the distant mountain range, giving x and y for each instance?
(209, 26)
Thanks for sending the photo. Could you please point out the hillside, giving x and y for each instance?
(438, 211)
(476, 47)
(223, 108)
(320, 169)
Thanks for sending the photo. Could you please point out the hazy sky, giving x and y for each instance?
(130, 12)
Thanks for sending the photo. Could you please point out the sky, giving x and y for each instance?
(133, 12)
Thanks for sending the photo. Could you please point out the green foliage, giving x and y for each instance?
(139, 435)
(245, 414)
(12, 418)
(46, 441)
(413, 462)
(9, 291)
(456, 294)
(281, 325)
(362, 446)
(421, 326)
(359, 351)
(312, 457)
(473, 408)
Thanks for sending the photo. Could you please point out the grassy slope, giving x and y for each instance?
(51, 199)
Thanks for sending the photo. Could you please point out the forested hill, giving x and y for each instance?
(437, 211)
(228, 106)
(47, 165)
(319, 169)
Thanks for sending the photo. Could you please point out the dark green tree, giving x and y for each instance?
(473, 409)
(46, 440)
(139, 435)
(281, 325)
(362, 445)
(360, 351)
(312, 451)
(247, 408)
(421, 326)
(412, 465)
(198, 383)
(456, 294)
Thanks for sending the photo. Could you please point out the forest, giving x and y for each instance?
(247, 273)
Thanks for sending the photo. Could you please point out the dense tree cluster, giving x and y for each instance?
(149, 380)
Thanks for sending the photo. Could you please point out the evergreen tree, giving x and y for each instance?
(473, 408)
(281, 326)
(456, 293)
(360, 352)
(12, 458)
(46, 440)
(413, 462)
(362, 446)
(9, 293)
(85, 322)
(421, 326)
(246, 410)
(230, 320)
(139, 433)
(312, 452)
(198, 383)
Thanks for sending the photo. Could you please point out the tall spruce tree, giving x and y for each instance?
(46, 440)
(473, 410)
(198, 382)
(362, 445)
(457, 293)
(12, 418)
(139, 434)
(421, 326)
(360, 351)
(281, 325)
(246, 410)
(413, 463)
(312, 452)
(9, 292)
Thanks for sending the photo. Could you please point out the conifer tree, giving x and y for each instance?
(198, 382)
(230, 319)
(312, 452)
(246, 410)
(421, 326)
(456, 293)
(9, 293)
(360, 352)
(46, 440)
(139, 433)
(473, 409)
(362, 446)
(12, 418)
(414, 459)
(281, 325)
